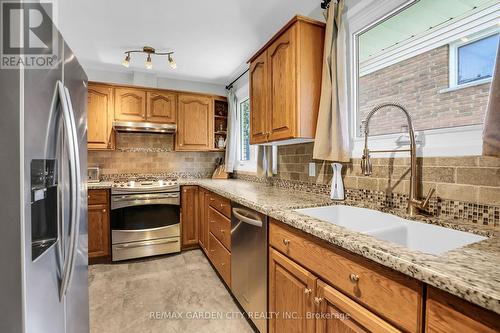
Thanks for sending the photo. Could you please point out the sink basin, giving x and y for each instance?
(414, 235)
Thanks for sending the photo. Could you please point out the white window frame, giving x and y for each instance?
(454, 141)
(242, 94)
(453, 59)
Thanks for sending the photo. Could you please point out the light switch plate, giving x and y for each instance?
(312, 169)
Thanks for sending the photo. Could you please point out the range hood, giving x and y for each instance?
(130, 126)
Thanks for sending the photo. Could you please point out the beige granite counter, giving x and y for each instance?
(471, 272)
(99, 186)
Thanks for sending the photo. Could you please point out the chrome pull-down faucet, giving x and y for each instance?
(366, 165)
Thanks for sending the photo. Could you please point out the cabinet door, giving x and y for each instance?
(282, 86)
(161, 107)
(203, 198)
(130, 104)
(291, 292)
(259, 100)
(98, 228)
(338, 313)
(195, 123)
(448, 313)
(99, 117)
(189, 216)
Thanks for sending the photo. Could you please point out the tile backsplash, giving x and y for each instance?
(469, 178)
(147, 153)
(467, 188)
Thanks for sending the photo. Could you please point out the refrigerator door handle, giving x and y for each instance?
(75, 180)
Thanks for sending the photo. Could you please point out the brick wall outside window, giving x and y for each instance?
(416, 83)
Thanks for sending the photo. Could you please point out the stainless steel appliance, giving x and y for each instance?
(145, 218)
(93, 174)
(249, 262)
(43, 229)
(131, 126)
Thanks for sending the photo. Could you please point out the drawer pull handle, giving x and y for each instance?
(104, 210)
(222, 230)
(222, 264)
(307, 291)
(354, 278)
(318, 300)
(286, 241)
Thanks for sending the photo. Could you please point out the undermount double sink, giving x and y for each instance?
(414, 235)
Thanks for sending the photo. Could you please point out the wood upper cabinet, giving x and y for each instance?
(259, 99)
(281, 65)
(195, 123)
(291, 293)
(161, 107)
(189, 216)
(130, 104)
(98, 225)
(447, 313)
(99, 117)
(203, 199)
(285, 83)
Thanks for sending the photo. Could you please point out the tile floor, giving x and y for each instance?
(124, 296)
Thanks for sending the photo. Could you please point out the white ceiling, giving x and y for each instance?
(211, 39)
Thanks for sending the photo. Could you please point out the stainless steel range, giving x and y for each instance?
(145, 218)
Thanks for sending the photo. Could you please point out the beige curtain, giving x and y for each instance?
(332, 132)
(491, 133)
(232, 130)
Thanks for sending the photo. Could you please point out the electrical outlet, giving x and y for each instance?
(312, 169)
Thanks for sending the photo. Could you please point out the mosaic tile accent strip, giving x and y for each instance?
(438, 207)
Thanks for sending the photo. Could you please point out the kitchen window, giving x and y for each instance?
(439, 67)
(244, 120)
(472, 60)
(246, 153)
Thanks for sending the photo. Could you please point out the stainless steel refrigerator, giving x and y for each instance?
(43, 206)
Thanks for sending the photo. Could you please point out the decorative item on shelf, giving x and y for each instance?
(219, 172)
(222, 127)
(149, 51)
(221, 142)
(221, 108)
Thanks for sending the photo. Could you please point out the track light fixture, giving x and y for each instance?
(149, 51)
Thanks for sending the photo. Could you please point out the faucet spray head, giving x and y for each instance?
(366, 163)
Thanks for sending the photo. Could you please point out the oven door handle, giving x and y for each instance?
(143, 197)
(146, 243)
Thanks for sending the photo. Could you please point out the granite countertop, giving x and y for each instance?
(471, 272)
(99, 186)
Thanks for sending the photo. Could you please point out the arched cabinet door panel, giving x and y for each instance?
(130, 104)
(195, 123)
(161, 107)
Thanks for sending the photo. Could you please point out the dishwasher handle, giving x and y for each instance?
(238, 213)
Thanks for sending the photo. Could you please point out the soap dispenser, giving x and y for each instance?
(337, 190)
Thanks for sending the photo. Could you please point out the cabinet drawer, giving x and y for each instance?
(221, 258)
(220, 227)
(394, 296)
(220, 204)
(97, 197)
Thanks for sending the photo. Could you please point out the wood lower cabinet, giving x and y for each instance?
(446, 313)
(161, 107)
(99, 245)
(100, 117)
(189, 216)
(336, 313)
(291, 289)
(130, 104)
(195, 123)
(285, 83)
(203, 227)
(220, 258)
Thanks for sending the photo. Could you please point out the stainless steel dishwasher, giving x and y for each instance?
(249, 262)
